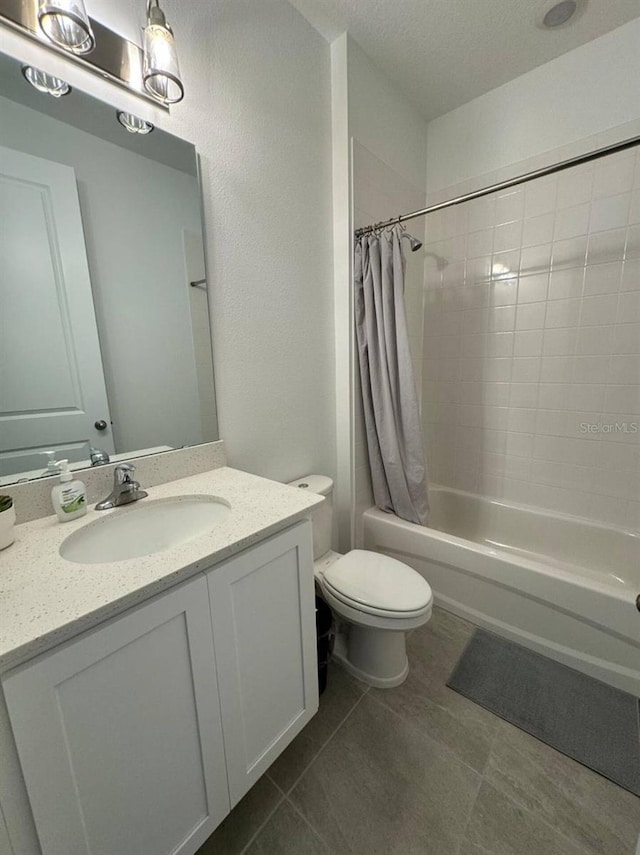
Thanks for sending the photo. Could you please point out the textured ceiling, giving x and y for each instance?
(443, 53)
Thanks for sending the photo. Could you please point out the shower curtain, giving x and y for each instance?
(392, 419)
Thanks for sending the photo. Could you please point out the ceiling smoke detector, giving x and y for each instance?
(559, 14)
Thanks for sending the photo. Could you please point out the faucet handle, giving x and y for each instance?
(123, 473)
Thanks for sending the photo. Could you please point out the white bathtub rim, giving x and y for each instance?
(521, 506)
(556, 606)
(574, 593)
(559, 570)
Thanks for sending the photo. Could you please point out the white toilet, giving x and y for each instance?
(376, 599)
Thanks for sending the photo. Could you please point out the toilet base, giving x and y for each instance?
(377, 657)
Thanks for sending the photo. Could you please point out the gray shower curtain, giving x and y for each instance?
(392, 419)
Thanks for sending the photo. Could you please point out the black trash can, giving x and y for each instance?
(324, 620)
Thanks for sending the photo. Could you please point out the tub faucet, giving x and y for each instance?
(125, 488)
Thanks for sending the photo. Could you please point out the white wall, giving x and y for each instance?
(388, 140)
(586, 91)
(141, 296)
(384, 121)
(257, 107)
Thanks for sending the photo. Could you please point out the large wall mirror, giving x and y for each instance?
(105, 346)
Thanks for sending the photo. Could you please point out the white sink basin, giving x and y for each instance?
(144, 528)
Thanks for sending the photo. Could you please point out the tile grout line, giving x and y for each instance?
(323, 746)
(471, 810)
(285, 793)
(427, 736)
(583, 848)
(263, 824)
(309, 824)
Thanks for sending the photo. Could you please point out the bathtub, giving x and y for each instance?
(561, 585)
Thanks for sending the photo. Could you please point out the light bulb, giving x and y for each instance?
(45, 83)
(66, 24)
(160, 71)
(134, 124)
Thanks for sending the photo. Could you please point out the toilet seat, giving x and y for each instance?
(372, 610)
(378, 585)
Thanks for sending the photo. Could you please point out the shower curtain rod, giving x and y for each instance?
(503, 185)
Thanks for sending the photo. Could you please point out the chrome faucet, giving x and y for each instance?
(98, 457)
(125, 488)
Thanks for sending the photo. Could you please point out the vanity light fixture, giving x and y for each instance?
(160, 70)
(67, 25)
(45, 83)
(134, 124)
(64, 27)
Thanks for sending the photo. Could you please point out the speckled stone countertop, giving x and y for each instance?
(45, 599)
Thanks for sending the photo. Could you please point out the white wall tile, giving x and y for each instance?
(540, 197)
(603, 278)
(572, 222)
(525, 369)
(599, 310)
(528, 343)
(533, 289)
(595, 340)
(632, 247)
(538, 230)
(526, 377)
(614, 175)
(480, 243)
(627, 338)
(507, 236)
(535, 259)
(562, 313)
(509, 206)
(610, 212)
(606, 246)
(569, 253)
(574, 187)
(530, 316)
(631, 275)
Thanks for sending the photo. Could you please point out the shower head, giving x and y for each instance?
(414, 243)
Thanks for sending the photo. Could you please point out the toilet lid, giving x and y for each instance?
(377, 581)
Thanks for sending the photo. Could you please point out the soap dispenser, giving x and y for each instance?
(69, 497)
(53, 466)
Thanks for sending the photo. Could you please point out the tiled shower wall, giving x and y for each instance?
(379, 193)
(531, 350)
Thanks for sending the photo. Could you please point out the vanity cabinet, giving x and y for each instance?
(137, 737)
(119, 734)
(263, 614)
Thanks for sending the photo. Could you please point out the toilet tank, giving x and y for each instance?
(322, 515)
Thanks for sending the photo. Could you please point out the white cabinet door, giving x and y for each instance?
(52, 387)
(119, 733)
(263, 613)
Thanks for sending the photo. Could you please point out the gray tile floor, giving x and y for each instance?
(420, 769)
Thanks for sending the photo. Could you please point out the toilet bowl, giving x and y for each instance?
(375, 599)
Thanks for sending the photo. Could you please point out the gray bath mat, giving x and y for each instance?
(583, 718)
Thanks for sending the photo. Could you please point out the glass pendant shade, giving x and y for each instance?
(66, 24)
(45, 83)
(160, 72)
(134, 124)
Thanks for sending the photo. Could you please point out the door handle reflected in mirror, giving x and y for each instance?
(100, 424)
